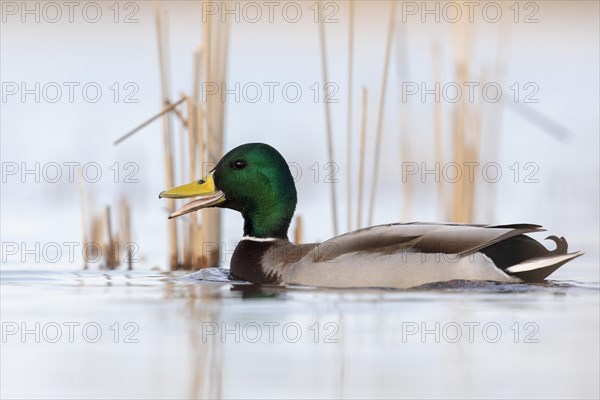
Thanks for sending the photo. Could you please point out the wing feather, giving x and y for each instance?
(448, 238)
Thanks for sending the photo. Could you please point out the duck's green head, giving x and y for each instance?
(253, 179)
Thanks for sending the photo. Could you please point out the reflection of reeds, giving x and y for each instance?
(206, 350)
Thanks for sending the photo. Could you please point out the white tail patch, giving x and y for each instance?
(544, 262)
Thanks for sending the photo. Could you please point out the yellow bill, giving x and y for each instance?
(204, 189)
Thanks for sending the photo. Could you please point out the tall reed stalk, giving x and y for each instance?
(167, 135)
(362, 151)
(349, 117)
(327, 115)
(378, 132)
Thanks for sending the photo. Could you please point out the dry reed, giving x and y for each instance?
(327, 115)
(362, 150)
(349, 117)
(378, 132)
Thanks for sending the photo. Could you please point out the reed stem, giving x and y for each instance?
(361, 167)
(378, 134)
(298, 230)
(83, 215)
(349, 120)
(327, 116)
(167, 138)
(165, 110)
(438, 128)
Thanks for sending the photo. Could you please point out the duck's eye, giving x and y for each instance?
(239, 164)
(201, 181)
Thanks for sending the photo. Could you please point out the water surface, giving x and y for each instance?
(201, 335)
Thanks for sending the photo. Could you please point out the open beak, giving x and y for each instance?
(204, 189)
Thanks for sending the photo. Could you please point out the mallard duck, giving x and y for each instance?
(255, 180)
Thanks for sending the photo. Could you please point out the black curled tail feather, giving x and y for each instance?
(528, 259)
(521, 248)
(561, 245)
